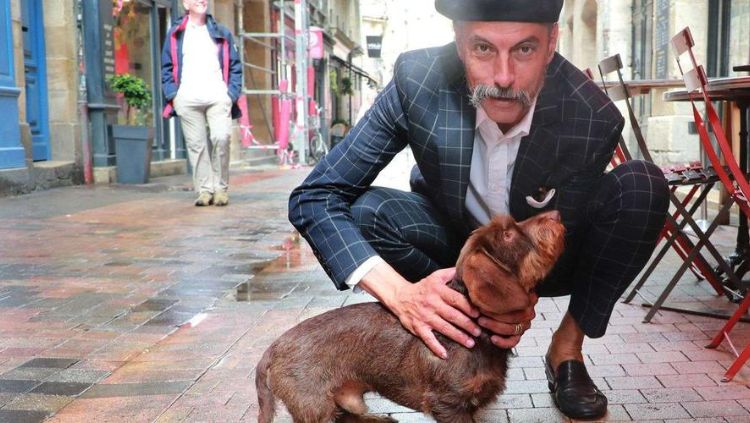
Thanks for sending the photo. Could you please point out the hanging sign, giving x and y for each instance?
(374, 45)
(315, 43)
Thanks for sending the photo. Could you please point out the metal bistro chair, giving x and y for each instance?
(733, 178)
(693, 176)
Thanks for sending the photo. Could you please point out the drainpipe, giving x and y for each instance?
(83, 108)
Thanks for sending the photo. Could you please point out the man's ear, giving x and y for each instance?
(554, 33)
(492, 289)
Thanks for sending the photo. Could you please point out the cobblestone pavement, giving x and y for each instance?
(127, 303)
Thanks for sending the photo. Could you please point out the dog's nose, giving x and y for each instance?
(554, 215)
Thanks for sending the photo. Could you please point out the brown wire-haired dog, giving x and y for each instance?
(321, 368)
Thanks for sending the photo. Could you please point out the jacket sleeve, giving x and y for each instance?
(234, 87)
(320, 208)
(168, 83)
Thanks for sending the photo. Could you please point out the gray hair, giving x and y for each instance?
(480, 92)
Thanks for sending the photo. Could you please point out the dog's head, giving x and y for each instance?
(502, 262)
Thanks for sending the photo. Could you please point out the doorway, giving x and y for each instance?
(35, 71)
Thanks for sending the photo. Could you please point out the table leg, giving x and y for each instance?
(742, 245)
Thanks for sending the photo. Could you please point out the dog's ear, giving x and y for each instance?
(492, 288)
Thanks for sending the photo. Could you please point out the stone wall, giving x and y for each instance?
(62, 79)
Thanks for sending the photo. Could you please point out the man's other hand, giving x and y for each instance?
(509, 327)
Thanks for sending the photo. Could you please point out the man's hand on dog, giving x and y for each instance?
(431, 305)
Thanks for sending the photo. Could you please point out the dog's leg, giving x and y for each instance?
(266, 400)
(349, 397)
(364, 418)
(454, 418)
(444, 412)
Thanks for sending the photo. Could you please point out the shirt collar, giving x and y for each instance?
(522, 128)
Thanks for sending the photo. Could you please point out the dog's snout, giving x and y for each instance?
(554, 215)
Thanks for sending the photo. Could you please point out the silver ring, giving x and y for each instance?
(517, 329)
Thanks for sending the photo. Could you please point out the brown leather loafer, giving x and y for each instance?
(575, 393)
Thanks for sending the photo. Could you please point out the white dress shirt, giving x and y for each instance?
(492, 164)
(490, 176)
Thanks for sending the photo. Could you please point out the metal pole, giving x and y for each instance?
(241, 39)
(300, 30)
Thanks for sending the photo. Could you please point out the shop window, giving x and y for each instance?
(739, 34)
(132, 39)
(728, 36)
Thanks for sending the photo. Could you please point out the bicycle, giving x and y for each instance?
(317, 147)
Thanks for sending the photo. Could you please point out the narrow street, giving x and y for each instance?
(127, 303)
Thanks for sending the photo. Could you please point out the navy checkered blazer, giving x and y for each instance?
(573, 134)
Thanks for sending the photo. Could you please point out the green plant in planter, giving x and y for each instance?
(346, 86)
(137, 96)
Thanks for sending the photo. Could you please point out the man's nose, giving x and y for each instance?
(504, 73)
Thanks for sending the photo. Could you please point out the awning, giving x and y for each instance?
(354, 68)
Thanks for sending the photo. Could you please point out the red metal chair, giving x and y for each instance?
(732, 177)
(692, 176)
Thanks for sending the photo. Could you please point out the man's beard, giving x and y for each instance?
(481, 92)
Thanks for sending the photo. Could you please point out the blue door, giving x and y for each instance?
(36, 77)
(12, 154)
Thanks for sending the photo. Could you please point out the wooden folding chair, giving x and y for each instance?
(732, 177)
(693, 176)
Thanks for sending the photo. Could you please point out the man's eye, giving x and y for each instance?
(525, 50)
(482, 48)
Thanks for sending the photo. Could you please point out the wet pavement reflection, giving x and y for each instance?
(295, 256)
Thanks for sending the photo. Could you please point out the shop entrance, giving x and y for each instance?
(139, 33)
(34, 66)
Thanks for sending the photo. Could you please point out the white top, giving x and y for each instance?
(490, 176)
(202, 81)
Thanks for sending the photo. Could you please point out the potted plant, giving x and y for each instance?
(133, 138)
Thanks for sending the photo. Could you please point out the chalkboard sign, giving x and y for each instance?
(661, 38)
(109, 56)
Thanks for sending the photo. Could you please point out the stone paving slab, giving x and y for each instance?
(129, 304)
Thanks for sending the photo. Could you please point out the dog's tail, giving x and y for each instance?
(266, 400)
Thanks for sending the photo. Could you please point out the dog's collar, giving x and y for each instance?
(494, 259)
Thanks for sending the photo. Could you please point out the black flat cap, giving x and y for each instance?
(545, 11)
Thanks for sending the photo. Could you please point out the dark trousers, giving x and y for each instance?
(622, 222)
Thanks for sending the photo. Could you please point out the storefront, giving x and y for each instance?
(126, 37)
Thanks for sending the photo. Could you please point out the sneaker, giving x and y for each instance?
(204, 199)
(221, 198)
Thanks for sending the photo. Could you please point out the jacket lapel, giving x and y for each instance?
(456, 135)
(536, 160)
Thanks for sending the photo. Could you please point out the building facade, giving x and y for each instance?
(58, 113)
(640, 31)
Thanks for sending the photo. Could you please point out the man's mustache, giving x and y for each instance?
(481, 92)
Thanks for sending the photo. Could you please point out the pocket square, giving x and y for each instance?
(543, 203)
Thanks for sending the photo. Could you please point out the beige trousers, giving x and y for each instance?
(206, 128)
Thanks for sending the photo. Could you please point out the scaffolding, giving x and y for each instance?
(281, 87)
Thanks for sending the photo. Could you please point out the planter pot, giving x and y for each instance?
(133, 152)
